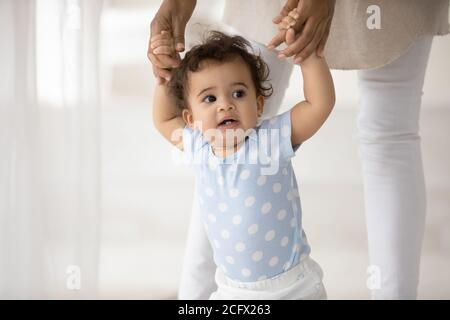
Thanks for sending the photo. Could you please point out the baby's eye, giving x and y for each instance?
(238, 94)
(209, 99)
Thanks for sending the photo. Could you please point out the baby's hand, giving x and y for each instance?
(163, 43)
(289, 21)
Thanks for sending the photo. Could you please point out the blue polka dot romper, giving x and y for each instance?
(249, 201)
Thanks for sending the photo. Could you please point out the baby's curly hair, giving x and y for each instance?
(220, 47)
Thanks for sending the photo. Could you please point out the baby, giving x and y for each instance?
(211, 109)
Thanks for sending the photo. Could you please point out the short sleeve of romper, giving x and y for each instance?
(282, 124)
(192, 144)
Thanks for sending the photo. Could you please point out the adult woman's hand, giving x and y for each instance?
(311, 25)
(172, 16)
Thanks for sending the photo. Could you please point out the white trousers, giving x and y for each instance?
(394, 187)
(302, 282)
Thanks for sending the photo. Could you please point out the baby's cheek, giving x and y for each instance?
(250, 119)
(209, 130)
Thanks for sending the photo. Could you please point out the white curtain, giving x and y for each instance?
(49, 149)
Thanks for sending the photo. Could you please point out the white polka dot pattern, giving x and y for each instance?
(284, 241)
(240, 246)
(257, 256)
(245, 174)
(225, 234)
(237, 219)
(276, 187)
(266, 208)
(230, 259)
(249, 201)
(270, 235)
(234, 192)
(253, 229)
(223, 207)
(273, 261)
(281, 214)
(261, 180)
(252, 218)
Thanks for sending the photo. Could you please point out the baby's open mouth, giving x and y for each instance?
(228, 124)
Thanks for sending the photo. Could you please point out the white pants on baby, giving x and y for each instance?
(302, 282)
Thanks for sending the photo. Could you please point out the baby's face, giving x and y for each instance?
(222, 101)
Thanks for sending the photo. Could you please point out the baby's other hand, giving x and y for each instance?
(163, 43)
(289, 21)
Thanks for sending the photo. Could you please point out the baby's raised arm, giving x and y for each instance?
(166, 116)
(309, 115)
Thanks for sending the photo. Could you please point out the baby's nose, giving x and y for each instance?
(225, 106)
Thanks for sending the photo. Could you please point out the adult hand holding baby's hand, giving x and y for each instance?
(163, 45)
(309, 21)
(172, 17)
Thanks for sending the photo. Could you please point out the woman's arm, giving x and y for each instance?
(166, 116)
(309, 115)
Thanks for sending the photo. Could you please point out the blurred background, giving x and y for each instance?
(145, 200)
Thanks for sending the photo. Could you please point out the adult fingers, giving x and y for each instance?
(156, 27)
(303, 40)
(277, 40)
(301, 14)
(159, 80)
(149, 50)
(179, 28)
(161, 73)
(163, 36)
(290, 36)
(162, 44)
(312, 46)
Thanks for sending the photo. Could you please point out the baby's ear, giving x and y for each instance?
(186, 114)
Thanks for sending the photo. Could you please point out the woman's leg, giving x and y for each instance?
(197, 277)
(394, 186)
